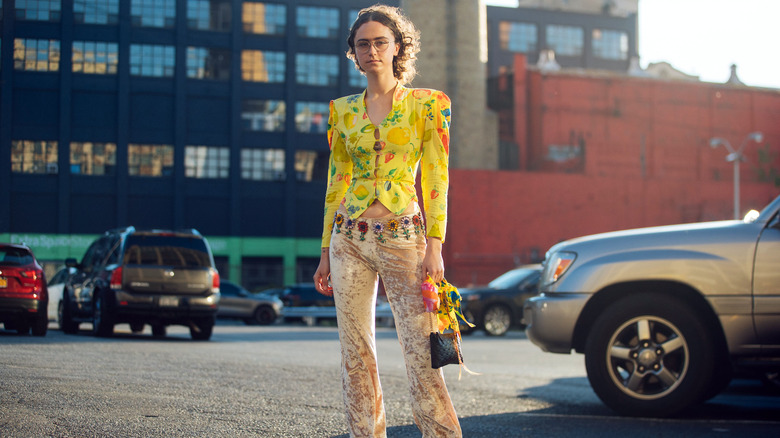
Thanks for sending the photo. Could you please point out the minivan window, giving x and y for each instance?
(171, 251)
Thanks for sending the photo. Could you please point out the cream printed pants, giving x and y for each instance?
(392, 247)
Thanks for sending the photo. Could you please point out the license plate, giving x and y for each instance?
(3, 282)
(169, 302)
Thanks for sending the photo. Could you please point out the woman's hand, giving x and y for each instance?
(322, 274)
(433, 264)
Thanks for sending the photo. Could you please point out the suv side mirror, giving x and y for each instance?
(71, 263)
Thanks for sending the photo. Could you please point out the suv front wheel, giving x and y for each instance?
(649, 356)
(102, 320)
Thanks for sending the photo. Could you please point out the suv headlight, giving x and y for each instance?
(556, 266)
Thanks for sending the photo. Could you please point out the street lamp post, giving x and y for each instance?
(735, 157)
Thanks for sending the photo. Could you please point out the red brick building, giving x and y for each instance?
(598, 151)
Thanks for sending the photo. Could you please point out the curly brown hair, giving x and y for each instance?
(406, 35)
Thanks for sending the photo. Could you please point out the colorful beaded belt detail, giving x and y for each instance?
(399, 226)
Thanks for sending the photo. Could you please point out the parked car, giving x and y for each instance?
(141, 277)
(499, 306)
(237, 302)
(302, 302)
(666, 315)
(56, 286)
(23, 294)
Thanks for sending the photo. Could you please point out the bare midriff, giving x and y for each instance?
(378, 210)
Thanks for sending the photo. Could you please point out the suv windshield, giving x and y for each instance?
(175, 251)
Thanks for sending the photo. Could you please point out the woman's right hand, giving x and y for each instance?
(322, 274)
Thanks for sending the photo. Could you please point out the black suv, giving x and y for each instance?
(137, 277)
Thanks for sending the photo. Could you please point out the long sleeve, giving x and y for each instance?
(339, 173)
(434, 164)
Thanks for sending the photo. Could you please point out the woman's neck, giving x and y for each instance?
(380, 86)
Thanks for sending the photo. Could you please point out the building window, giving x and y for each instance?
(208, 15)
(153, 13)
(149, 160)
(96, 11)
(28, 156)
(152, 60)
(92, 158)
(313, 69)
(264, 18)
(263, 115)
(317, 22)
(39, 10)
(263, 66)
(208, 63)
(262, 164)
(36, 55)
(311, 165)
(311, 117)
(206, 162)
(610, 44)
(517, 37)
(354, 77)
(565, 40)
(95, 57)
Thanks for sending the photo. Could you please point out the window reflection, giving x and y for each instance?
(262, 164)
(32, 156)
(311, 117)
(36, 55)
(354, 77)
(264, 18)
(311, 165)
(92, 158)
(208, 63)
(565, 40)
(517, 37)
(311, 69)
(153, 13)
(149, 160)
(610, 44)
(152, 60)
(208, 15)
(262, 66)
(206, 162)
(39, 10)
(263, 115)
(317, 22)
(95, 57)
(96, 11)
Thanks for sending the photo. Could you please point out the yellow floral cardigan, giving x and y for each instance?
(415, 131)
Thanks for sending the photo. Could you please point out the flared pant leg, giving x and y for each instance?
(355, 264)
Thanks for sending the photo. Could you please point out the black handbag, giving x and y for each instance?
(445, 349)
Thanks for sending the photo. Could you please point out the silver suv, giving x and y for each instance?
(666, 315)
(138, 277)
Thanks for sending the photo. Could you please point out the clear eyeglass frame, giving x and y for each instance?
(364, 46)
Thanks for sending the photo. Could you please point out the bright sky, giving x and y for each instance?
(704, 37)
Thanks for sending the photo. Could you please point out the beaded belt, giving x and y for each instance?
(393, 227)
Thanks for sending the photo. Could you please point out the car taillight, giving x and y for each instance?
(116, 278)
(33, 279)
(214, 281)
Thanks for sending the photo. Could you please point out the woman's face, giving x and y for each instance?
(375, 48)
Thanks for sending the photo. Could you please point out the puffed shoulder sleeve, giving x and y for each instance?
(339, 172)
(434, 166)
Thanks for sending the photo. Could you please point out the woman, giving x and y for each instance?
(373, 225)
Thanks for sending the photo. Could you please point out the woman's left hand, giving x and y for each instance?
(433, 264)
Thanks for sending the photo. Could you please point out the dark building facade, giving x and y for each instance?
(206, 114)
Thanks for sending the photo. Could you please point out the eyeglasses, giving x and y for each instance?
(364, 46)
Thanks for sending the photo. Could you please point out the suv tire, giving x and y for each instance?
(40, 323)
(158, 330)
(497, 320)
(201, 328)
(649, 356)
(102, 320)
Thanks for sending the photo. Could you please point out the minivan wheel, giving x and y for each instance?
(65, 319)
(497, 320)
(102, 320)
(648, 355)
